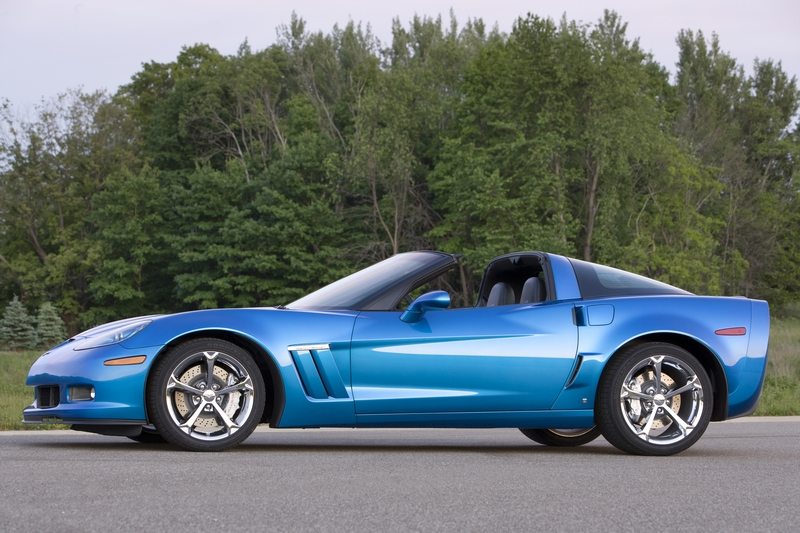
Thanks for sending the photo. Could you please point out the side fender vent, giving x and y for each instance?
(575, 371)
(318, 371)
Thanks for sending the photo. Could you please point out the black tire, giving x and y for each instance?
(562, 437)
(654, 399)
(205, 415)
(148, 436)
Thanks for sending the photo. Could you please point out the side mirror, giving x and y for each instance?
(429, 300)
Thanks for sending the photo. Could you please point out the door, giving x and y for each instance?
(507, 358)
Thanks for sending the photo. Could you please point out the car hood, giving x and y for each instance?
(98, 330)
(261, 324)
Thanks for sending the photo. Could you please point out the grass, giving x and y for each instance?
(14, 395)
(781, 394)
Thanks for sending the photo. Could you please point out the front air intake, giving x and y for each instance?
(47, 396)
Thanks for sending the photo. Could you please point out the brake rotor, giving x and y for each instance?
(185, 403)
(637, 408)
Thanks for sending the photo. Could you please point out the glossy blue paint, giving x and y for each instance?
(694, 317)
(119, 390)
(743, 400)
(272, 330)
(575, 418)
(524, 365)
(563, 277)
(508, 358)
(600, 315)
(428, 301)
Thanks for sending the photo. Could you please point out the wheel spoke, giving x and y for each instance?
(189, 423)
(684, 427)
(230, 424)
(648, 427)
(174, 383)
(656, 361)
(211, 357)
(692, 384)
(658, 397)
(630, 394)
(244, 384)
(208, 396)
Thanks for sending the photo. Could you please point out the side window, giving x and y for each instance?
(515, 279)
(451, 281)
(597, 281)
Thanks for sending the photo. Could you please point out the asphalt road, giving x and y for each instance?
(742, 475)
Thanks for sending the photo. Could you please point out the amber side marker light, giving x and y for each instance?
(123, 361)
(731, 331)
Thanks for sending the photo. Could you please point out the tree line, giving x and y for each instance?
(252, 178)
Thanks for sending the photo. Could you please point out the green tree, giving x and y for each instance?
(739, 126)
(50, 170)
(16, 327)
(260, 243)
(49, 326)
(252, 178)
(129, 248)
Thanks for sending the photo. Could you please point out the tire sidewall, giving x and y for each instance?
(551, 438)
(156, 401)
(148, 436)
(609, 416)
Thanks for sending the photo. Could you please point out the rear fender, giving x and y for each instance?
(687, 321)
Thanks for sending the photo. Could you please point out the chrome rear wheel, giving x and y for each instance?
(661, 400)
(654, 399)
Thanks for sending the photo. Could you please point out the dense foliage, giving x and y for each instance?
(250, 179)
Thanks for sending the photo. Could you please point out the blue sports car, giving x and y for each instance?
(563, 349)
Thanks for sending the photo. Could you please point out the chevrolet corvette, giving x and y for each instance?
(563, 349)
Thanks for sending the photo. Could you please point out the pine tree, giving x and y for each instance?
(49, 326)
(16, 328)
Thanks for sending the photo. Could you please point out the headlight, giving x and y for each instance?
(113, 336)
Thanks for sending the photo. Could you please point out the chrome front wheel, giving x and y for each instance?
(206, 395)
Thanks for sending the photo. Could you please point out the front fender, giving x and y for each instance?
(274, 331)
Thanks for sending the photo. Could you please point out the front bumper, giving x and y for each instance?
(119, 391)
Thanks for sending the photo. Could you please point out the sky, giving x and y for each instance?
(49, 46)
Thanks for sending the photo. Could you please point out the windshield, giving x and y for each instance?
(359, 289)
